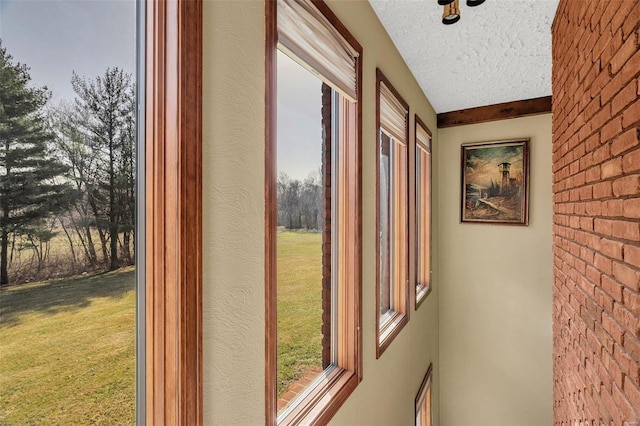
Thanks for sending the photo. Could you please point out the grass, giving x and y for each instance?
(299, 305)
(67, 351)
(67, 347)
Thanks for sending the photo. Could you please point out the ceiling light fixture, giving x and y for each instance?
(451, 13)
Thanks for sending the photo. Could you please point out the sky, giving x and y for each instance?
(55, 37)
(299, 113)
(482, 164)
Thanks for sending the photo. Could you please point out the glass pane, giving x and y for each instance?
(67, 212)
(385, 213)
(304, 261)
(423, 205)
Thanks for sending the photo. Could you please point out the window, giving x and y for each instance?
(424, 414)
(392, 219)
(69, 193)
(423, 212)
(173, 272)
(312, 223)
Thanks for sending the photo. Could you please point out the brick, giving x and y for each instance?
(602, 190)
(632, 254)
(625, 8)
(626, 141)
(632, 208)
(593, 208)
(612, 368)
(613, 208)
(611, 248)
(611, 50)
(612, 288)
(631, 162)
(628, 185)
(603, 264)
(632, 346)
(623, 98)
(631, 22)
(604, 300)
(602, 154)
(612, 327)
(596, 145)
(632, 392)
(593, 174)
(629, 47)
(627, 276)
(624, 406)
(611, 168)
(626, 230)
(628, 321)
(631, 116)
(611, 129)
(593, 275)
(604, 337)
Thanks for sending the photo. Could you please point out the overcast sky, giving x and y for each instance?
(55, 37)
(299, 119)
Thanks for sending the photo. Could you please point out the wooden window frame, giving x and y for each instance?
(173, 212)
(420, 295)
(422, 401)
(399, 317)
(339, 381)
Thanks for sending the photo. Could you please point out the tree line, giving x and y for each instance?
(67, 171)
(300, 202)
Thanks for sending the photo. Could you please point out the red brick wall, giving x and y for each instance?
(596, 168)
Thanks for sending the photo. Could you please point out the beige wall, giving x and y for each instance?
(495, 292)
(234, 226)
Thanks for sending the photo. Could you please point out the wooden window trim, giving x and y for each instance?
(400, 316)
(173, 185)
(427, 382)
(420, 296)
(333, 389)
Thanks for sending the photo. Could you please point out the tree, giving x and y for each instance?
(74, 148)
(105, 108)
(28, 193)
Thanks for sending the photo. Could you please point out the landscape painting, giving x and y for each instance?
(495, 180)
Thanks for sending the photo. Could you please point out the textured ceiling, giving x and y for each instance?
(498, 52)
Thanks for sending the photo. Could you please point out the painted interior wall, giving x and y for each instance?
(233, 196)
(495, 292)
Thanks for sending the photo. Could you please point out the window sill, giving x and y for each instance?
(388, 330)
(422, 291)
(324, 400)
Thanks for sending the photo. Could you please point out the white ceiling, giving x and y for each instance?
(498, 52)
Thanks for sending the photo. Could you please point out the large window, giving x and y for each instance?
(313, 214)
(392, 219)
(69, 227)
(86, 362)
(423, 211)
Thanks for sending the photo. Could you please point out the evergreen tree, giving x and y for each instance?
(107, 105)
(27, 171)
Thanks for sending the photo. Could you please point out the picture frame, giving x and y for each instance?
(495, 182)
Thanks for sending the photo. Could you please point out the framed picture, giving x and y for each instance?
(495, 182)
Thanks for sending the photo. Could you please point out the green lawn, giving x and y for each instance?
(67, 348)
(67, 351)
(299, 305)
